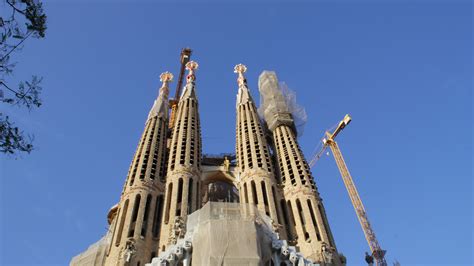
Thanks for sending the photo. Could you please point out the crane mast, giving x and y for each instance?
(377, 252)
(184, 58)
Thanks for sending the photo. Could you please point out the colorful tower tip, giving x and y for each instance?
(191, 66)
(166, 77)
(240, 69)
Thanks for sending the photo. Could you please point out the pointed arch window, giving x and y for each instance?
(122, 222)
(133, 220)
(146, 213)
(157, 216)
(168, 203)
(254, 193)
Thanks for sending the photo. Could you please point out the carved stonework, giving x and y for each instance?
(129, 250)
(184, 171)
(327, 253)
(178, 231)
(252, 173)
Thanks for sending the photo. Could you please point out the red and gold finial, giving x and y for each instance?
(166, 77)
(240, 69)
(191, 66)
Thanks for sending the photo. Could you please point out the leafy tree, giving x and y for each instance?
(19, 20)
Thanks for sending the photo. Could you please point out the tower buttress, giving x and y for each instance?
(184, 162)
(257, 180)
(136, 225)
(309, 226)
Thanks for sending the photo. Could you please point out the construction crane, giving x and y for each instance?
(329, 140)
(184, 58)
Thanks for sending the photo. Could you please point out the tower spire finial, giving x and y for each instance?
(165, 77)
(191, 66)
(240, 69)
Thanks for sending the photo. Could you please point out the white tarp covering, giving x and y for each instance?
(277, 99)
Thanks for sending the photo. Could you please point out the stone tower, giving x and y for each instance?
(184, 163)
(136, 219)
(258, 185)
(179, 207)
(304, 207)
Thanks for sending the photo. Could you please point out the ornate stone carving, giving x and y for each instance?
(178, 231)
(327, 252)
(129, 249)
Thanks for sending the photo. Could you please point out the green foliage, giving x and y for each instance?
(12, 139)
(27, 19)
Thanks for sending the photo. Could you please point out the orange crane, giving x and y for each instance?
(377, 252)
(184, 58)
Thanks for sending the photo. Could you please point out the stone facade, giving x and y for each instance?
(275, 202)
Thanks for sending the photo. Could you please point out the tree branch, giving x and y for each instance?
(14, 47)
(15, 8)
(12, 90)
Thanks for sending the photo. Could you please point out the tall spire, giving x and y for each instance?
(243, 95)
(160, 106)
(309, 226)
(137, 223)
(257, 180)
(184, 161)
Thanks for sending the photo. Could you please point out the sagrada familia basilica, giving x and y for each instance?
(259, 206)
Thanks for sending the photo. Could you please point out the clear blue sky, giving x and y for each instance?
(402, 70)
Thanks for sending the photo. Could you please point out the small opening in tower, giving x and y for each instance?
(180, 197)
(254, 193)
(136, 205)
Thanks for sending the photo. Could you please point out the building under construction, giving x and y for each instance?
(257, 206)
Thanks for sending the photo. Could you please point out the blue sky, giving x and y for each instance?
(402, 70)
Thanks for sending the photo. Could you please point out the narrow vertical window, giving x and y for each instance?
(313, 219)
(180, 197)
(122, 222)
(265, 199)
(198, 202)
(290, 213)
(246, 193)
(301, 215)
(264, 191)
(276, 205)
(285, 218)
(190, 196)
(168, 203)
(115, 230)
(254, 193)
(157, 216)
(146, 213)
(136, 206)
